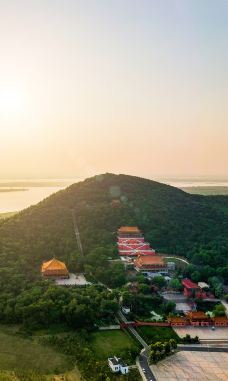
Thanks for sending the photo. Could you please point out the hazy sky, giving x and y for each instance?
(90, 86)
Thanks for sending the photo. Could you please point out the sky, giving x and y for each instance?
(124, 86)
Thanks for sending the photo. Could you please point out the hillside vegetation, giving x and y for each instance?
(173, 221)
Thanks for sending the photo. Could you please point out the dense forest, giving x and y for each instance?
(173, 221)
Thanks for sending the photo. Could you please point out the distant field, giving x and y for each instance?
(109, 343)
(7, 215)
(23, 354)
(153, 334)
(207, 190)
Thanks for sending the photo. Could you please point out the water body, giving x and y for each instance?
(201, 187)
(20, 194)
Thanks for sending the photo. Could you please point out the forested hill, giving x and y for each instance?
(172, 221)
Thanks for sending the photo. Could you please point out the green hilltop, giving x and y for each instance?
(173, 221)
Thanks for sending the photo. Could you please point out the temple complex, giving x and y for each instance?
(132, 243)
(54, 269)
(198, 319)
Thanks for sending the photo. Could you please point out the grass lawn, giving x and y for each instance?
(153, 334)
(109, 343)
(21, 353)
(11, 376)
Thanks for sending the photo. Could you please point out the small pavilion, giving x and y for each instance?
(54, 269)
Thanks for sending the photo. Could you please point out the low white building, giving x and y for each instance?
(126, 310)
(114, 364)
(117, 365)
(203, 285)
(123, 367)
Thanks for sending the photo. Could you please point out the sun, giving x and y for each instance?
(12, 101)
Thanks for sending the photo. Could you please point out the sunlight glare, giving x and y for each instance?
(12, 101)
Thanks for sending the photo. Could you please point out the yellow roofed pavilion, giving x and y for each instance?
(54, 269)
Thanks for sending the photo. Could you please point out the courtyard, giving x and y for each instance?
(193, 366)
(204, 333)
(182, 303)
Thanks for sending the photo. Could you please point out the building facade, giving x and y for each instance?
(117, 365)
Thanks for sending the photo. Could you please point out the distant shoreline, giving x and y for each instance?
(4, 190)
(33, 184)
(204, 190)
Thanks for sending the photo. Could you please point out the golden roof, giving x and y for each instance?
(129, 229)
(53, 264)
(149, 259)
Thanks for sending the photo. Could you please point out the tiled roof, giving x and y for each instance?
(197, 315)
(53, 264)
(114, 360)
(189, 284)
(220, 319)
(177, 319)
(129, 229)
(149, 260)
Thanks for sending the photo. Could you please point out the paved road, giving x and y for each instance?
(145, 370)
(176, 257)
(133, 331)
(143, 363)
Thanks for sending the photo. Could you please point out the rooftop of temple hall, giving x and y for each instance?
(53, 264)
(152, 259)
(129, 229)
(189, 284)
(54, 268)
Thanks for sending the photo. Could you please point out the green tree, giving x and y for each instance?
(159, 281)
(219, 310)
(175, 284)
(196, 276)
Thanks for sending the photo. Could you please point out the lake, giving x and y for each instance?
(20, 194)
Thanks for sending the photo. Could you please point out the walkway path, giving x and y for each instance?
(133, 331)
(176, 257)
(225, 305)
(142, 361)
(202, 348)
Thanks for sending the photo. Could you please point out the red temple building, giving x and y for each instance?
(198, 318)
(150, 263)
(220, 321)
(192, 290)
(178, 321)
(131, 242)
